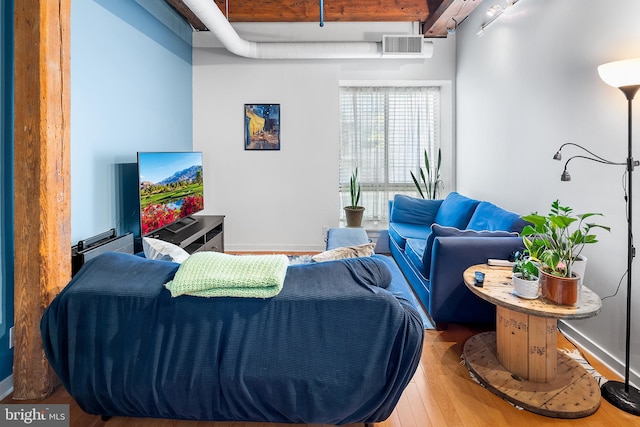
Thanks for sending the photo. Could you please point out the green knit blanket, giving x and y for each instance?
(214, 274)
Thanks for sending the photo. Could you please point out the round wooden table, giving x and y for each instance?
(520, 361)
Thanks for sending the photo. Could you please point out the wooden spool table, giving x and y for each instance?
(520, 362)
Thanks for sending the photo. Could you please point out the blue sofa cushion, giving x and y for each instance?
(411, 210)
(456, 210)
(440, 231)
(414, 250)
(488, 216)
(346, 236)
(400, 232)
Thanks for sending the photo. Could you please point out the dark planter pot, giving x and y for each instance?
(560, 290)
(354, 215)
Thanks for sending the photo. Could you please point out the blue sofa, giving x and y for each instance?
(434, 241)
(335, 346)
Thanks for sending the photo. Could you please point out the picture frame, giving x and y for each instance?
(262, 127)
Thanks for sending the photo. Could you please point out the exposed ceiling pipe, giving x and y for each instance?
(211, 16)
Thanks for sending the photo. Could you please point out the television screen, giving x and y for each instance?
(170, 188)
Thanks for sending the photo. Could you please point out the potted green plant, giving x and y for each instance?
(354, 212)
(555, 241)
(525, 276)
(431, 180)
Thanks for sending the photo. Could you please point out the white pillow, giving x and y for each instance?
(161, 250)
(345, 252)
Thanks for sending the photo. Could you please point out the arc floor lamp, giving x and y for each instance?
(625, 75)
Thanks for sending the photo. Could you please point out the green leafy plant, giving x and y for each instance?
(354, 189)
(557, 239)
(431, 179)
(524, 265)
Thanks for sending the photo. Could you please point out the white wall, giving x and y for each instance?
(281, 200)
(526, 86)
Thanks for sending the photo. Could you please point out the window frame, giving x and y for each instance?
(447, 138)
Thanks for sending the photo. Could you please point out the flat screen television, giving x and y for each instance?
(170, 189)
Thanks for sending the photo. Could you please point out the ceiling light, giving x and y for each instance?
(494, 12)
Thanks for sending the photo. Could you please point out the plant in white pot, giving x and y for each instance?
(555, 241)
(525, 278)
(354, 212)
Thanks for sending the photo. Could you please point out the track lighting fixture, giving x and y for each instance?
(494, 12)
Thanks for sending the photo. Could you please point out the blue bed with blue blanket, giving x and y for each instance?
(334, 346)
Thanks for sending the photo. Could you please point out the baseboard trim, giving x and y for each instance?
(275, 248)
(6, 387)
(598, 352)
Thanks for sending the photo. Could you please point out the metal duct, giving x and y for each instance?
(211, 16)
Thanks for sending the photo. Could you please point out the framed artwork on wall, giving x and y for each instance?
(261, 126)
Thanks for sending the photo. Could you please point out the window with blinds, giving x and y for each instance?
(384, 132)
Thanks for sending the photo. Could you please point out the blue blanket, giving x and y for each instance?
(333, 347)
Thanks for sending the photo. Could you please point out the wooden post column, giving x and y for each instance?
(42, 263)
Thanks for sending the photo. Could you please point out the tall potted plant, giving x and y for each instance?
(354, 211)
(555, 241)
(431, 179)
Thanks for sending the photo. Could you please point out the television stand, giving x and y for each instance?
(203, 233)
(181, 224)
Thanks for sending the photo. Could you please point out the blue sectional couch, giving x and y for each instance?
(335, 346)
(434, 241)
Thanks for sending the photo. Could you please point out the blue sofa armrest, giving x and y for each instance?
(450, 300)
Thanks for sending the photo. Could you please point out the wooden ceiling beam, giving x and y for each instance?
(187, 14)
(338, 11)
(443, 16)
(436, 16)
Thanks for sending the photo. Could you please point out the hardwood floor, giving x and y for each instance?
(440, 394)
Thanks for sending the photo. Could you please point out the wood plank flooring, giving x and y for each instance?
(440, 394)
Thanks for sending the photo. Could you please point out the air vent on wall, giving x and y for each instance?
(402, 45)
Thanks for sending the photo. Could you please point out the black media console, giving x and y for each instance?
(99, 244)
(207, 234)
(204, 233)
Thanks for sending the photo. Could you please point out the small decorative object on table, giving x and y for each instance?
(525, 277)
(551, 244)
(479, 279)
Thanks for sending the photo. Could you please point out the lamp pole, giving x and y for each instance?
(625, 75)
(631, 251)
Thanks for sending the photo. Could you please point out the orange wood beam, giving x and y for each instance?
(446, 14)
(191, 17)
(42, 260)
(309, 10)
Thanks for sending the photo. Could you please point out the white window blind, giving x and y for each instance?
(384, 132)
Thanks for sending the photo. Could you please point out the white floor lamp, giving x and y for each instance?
(625, 75)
